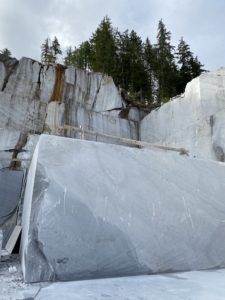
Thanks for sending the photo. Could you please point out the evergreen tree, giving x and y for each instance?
(123, 59)
(6, 51)
(68, 59)
(46, 56)
(50, 50)
(103, 48)
(137, 69)
(196, 67)
(166, 70)
(150, 65)
(82, 56)
(190, 67)
(55, 49)
(184, 56)
(132, 74)
(146, 71)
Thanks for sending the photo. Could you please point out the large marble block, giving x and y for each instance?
(95, 210)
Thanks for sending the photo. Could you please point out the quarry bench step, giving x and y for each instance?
(182, 151)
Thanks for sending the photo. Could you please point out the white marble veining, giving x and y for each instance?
(120, 211)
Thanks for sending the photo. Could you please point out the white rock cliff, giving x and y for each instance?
(194, 121)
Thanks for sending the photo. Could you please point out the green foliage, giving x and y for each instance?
(103, 48)
(189, 67)
(80, 57)
(165, 68)
(150, 67)
(50, 50)
(152, 73)
(55, 49)
(6, 51)
(68, 59)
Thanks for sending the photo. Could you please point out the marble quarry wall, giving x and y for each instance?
(36, 99)
(94, 210)
(194, 121)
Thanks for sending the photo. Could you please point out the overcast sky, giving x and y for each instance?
(24, 24)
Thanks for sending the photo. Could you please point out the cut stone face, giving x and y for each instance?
(8, 139)
(94, 210)
(204, 96)
(10, 189)
(1, 237)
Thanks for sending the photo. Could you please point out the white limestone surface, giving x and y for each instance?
(47, 82)
(135, 114)
(36, 96)
(204, 139)
(218, 135)
(29, 148)
(21, 113)
(58, 115)
(94, 210)
(89, 90)
(22, 81)
(204, 96)
(8, 139)
(179, 286)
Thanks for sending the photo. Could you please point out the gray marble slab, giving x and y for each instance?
(94, 210)
(10, 188)
(1, 237)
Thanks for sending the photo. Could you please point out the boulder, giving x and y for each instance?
(94, 210)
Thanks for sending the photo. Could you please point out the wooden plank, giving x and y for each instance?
(13, 239)
(15, 159)
(128, 141)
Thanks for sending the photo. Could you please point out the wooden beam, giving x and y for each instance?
(182, 151)
(15, 159)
